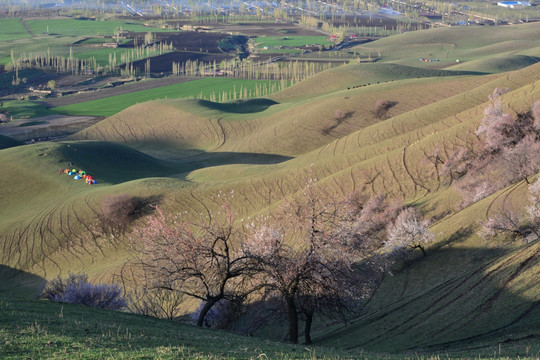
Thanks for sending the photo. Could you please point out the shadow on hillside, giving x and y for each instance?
(19, 283)
(248, 106)
(454, 299)
(212, 159)
(115, 163)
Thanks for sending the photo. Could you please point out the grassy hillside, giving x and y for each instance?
(202, 88)
(446, 45)
(467, 298)
(41, 329)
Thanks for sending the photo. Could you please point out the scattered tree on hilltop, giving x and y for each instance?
(508, 150)
(515, 222)
(408, 232)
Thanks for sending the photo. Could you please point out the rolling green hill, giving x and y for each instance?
(467, 298)
(446, 45)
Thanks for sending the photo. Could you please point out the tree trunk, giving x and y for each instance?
(293, 320)
(206, 308)
(307, 328)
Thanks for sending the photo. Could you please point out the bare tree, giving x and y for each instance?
(515, 222)
(507, 221)
(508, 150)
(307, 255)
(533, 209)
(409, 232)
(498, 92)
(523, 160)
(155, 301)
(200, 260)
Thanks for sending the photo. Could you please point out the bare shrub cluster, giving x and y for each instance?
(508, 151)
(76, 289)
(119, 211)
(382, 107)
(513, 222)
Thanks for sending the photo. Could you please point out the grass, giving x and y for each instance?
(11, 29)
(102, 55)
(72, 27)
(204, 87)
(33, 328)
(99, 41)
(279, 51)
(457, 43)
(25, 109)
(290, 41)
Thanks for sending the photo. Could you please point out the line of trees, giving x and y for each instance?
(282, 70)
(317, 254)
(74, 65)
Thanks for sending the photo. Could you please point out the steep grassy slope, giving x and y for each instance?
(288, 129)
(40, 329)
(45, 213)
(466, 296)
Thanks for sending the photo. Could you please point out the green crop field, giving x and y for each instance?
(24, 109)
(71, 27)
(197, 88)
(279, 51)
(290, 41)
(11, 29)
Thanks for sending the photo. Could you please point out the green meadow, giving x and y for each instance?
(11, 29)
(290, 41)
(195, 89)
(72, 27)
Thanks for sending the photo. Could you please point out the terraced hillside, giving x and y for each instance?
(465, 297)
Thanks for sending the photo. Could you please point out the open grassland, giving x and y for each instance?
(25, 109)
(11, 29)
(447, 45)
(37, 45)
(290, 41)
(468, 297)
(72, 27)
(206, 88)
(356, 76)
(42, 329)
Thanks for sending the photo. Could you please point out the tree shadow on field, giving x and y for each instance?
(19, 283)
(116, 163)
(248, 106)
(453, 300)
